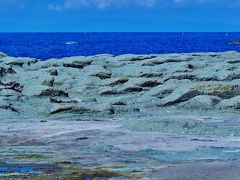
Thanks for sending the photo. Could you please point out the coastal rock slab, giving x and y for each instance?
(202, 102)
(120, 84)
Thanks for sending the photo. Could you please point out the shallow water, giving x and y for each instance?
(26, 168)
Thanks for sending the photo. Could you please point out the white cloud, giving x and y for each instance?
(100, 4)
(104, 4)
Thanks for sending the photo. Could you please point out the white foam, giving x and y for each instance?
(71, 42)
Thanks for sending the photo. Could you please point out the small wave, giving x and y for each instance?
(71, 42)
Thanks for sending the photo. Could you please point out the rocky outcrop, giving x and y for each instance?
(106, 84)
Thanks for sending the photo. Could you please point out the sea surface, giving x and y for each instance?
(57, 45)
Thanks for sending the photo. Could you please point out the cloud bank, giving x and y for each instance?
(105, 4)
(100, 4)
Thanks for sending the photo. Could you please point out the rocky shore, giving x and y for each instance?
(108, 85)
(127, 116)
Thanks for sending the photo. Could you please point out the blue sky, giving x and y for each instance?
(119, 15)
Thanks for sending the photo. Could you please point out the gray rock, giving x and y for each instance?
(202, 102)
(179, 95)
(233, 103)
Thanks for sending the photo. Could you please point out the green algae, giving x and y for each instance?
(2, 55)
(221, 90)
(31, 156)
(72, 171)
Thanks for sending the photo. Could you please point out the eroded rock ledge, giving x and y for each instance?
(107, 84)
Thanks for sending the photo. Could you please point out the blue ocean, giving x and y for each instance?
(57, 45)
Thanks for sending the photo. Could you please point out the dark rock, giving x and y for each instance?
(4, 71)
(150, 75)
(179, 95)
(232, 76)
(132, 89)
(53, 72)
(53, 92)
(103, 75)
(12, 86)
(81, 139)
(79, 65)
(109, 92)
(9, 107)
(69, 109)
(150, 83)
(164, 93)
(189, 66)
(140, 58)
(182, 77)
(236, 61)
(119, 81)
(119, 103)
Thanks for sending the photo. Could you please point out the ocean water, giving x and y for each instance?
(57, 45)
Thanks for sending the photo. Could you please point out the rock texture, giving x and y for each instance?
(109, 85)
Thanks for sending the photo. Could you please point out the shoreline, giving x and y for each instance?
(120, 116)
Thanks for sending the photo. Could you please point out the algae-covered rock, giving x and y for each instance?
(2, 55)
(202, 102)
(223, 90)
